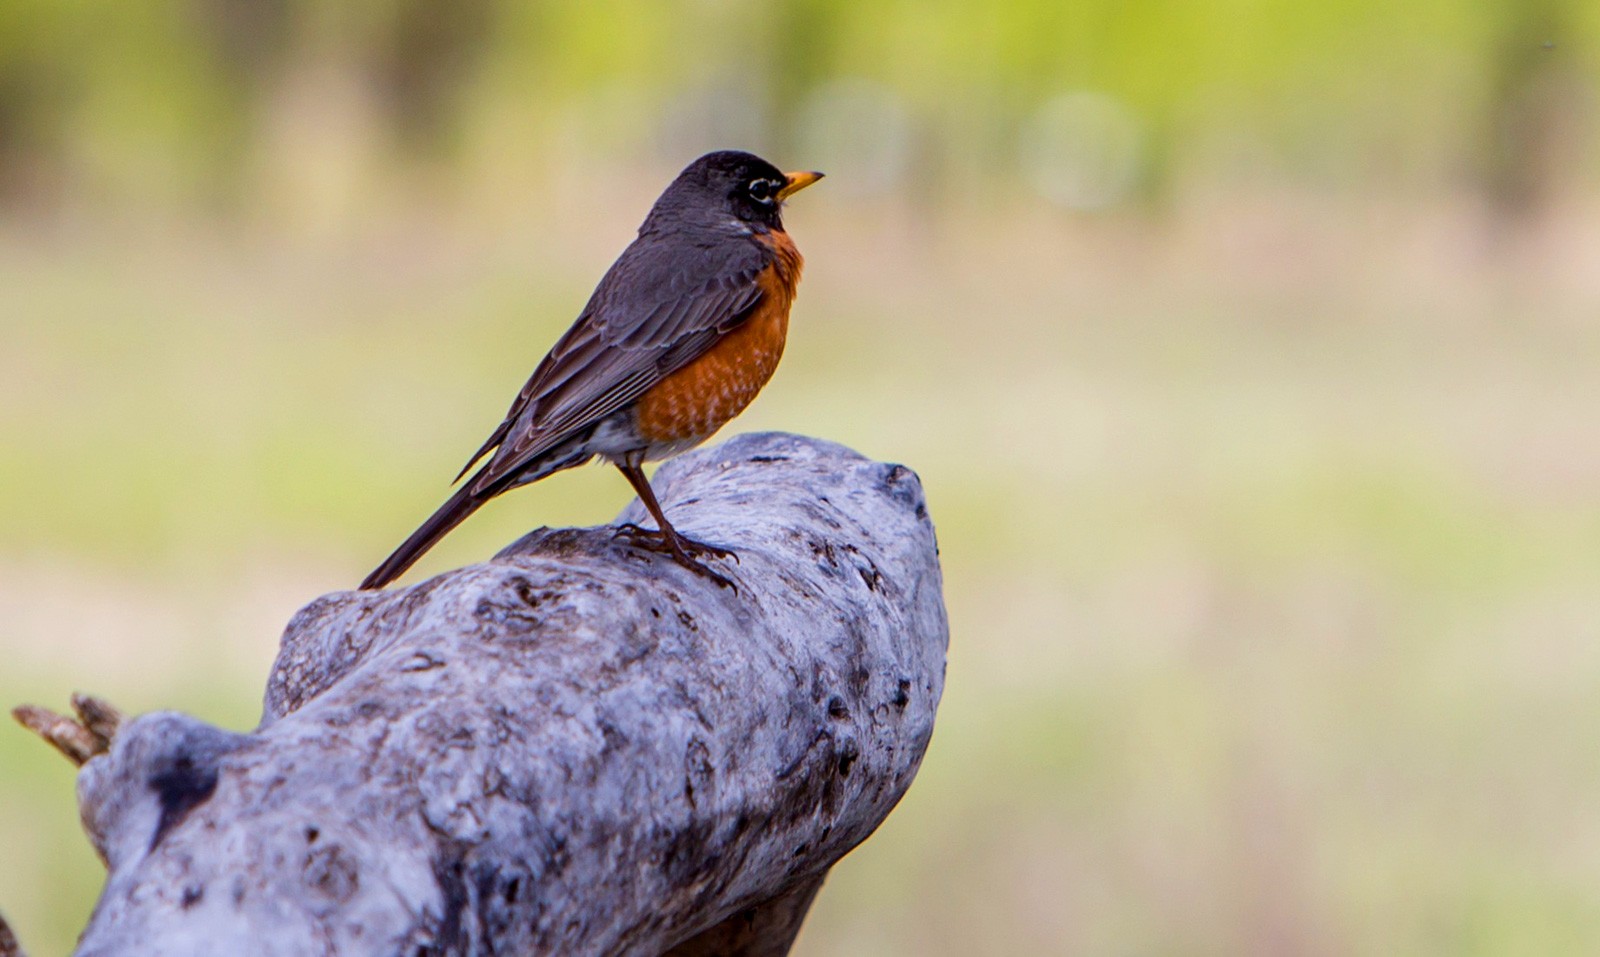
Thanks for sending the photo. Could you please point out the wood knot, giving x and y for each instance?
(330, 872)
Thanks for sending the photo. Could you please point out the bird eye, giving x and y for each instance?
(762, 190)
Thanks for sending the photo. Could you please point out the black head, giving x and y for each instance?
(730, 186)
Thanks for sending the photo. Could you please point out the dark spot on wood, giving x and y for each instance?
(902, 694)
(612, 736)
(181, 785)
(490, 884)
(837, 709)
(686, 851)
(556, 856)
(687, 620)
(848, 753)
(523, 589)
(192, 895)
(449, 872)
(801, 850)
(765, 459)
(312, 834)
(697, 769)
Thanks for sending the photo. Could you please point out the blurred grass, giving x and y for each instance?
(1272, 578)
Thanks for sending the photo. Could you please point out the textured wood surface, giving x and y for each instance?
(574, 748)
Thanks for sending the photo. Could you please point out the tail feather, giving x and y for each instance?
(469, 497)
(452, 513)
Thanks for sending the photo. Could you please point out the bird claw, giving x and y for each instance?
(685, 551)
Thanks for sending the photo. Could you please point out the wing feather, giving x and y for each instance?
(656, 310)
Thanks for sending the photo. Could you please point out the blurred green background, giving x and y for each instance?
(1247, 351)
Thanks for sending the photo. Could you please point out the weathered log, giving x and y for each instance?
(575, 748)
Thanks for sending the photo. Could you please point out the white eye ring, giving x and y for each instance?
(763, 190)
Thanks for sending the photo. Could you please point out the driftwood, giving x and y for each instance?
(575, 748)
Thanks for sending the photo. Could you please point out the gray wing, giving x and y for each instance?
(660, 306)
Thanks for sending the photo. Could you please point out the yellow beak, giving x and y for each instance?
(795, 182)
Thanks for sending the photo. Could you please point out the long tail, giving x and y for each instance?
(452, 513)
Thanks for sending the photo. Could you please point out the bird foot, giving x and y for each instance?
(685, 551)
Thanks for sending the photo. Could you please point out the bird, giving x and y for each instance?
(678, 337)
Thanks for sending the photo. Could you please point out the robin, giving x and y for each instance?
(682, 332)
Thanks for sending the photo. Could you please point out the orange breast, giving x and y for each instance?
(698, 399)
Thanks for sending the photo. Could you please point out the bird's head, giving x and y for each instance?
(731, 185)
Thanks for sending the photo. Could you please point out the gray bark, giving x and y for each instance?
(575, 748)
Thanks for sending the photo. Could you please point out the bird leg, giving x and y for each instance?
(668, 541)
